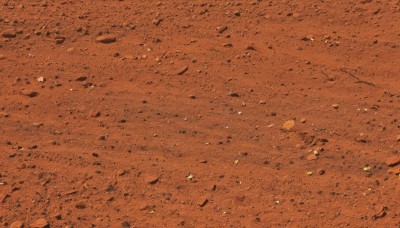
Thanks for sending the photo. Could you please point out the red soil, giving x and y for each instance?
(174, 113)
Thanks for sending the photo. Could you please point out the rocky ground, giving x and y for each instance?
(239, 113)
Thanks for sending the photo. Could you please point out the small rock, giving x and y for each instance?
(2, 57)
(394, 170)
(81, 79)
(321, 172)
(222, 29)
(303, 120)
(308, 38)
(203, 201)
(183, 70)
(4, 114)
(251, 48)
(312, 157)
(228, 45)
(288, 125)
(29, 93)
(335, 106)
(398, 138)
(157, 22)
(9, 33)
(3, 197)
(94, 114)
(56, 216)
(121, 172)
(71, 192)
(71, 49)
(393, 161)
(151, 179)
(379, 212)
(80, 205)
(362, 138)
(233, 94)
(17, 224)
(21, 166)
(126, 224)
(262, 102)
(40, 223)
(106, 39)
(41, 79)
(59, 39)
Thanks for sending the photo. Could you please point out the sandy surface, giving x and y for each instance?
(199, 113)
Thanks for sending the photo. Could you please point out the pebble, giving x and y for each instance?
(321, 172)
(21, 166)
(151, 179)
(3, 197)
(393, 161)
(398, 138)
(94, 114)
(203, 201)
(394, 170)
(106, 39)
(157, 21)
(262, 102)
(183, 70)
(233, 94)
(2, 57)
(71, 49)
(80, 205)
(40, 223)
(29, 93)
(4, 114)
(81, 79)
(56, 216)
(121, 172)
(9, 33)
(222, 29)
(312, 157)
(59, 39)
(125, 224)
(303, 120)
(335, 106)
(379, 212)
(17, 224)
(288, 125)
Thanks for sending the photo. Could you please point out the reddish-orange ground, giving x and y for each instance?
(181, 120)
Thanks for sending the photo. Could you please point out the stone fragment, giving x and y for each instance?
(40, 223)
(106, 39)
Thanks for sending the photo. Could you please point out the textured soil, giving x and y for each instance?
(118, 113)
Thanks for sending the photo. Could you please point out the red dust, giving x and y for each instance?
(172, 113)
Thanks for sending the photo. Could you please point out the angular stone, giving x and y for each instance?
(393, 161)
(202, 201)
(151, 179)
(183, 70)
(40, 223)
(289, 125)
(106, 39)
(17, 224)
(9, 33)
(394, 170)
(29, 93)
(312, 157)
